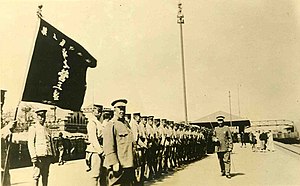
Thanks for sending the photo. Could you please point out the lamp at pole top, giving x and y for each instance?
(180, 16)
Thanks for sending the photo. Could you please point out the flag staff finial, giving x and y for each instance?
(39, 11)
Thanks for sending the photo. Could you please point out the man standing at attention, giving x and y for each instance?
(119, 147)
(94, 150)
(40, 148)
(223, 140)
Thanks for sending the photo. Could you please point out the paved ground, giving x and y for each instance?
(249, 168)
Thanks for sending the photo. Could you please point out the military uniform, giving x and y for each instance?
(40, 148)
(161, 141)
(134, 126)
(128, 118)
(141, 149)
(119, 148)
(94, 150)
(142, 130)
(223, 139)
(6, 135)
(150, 153)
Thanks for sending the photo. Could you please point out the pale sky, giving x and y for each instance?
(250, 45)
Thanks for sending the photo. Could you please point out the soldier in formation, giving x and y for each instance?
(122, 149)
(94, 150)
(167, 145)
(125, 150)
(119, 147)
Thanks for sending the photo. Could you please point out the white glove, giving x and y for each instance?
(215, 139)
(116, 167)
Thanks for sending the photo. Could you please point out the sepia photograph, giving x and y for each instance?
(154, 93)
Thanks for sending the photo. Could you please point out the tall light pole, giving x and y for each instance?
(230, 109)
(180, 21)
(239, 100)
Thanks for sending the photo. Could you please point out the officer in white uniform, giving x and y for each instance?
(119, 147)
(40, 148)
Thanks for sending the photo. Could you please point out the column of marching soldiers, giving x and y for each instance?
(164, 145)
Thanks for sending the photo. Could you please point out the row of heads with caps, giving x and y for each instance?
(121, 103)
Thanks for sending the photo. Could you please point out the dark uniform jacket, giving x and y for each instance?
(224, 138)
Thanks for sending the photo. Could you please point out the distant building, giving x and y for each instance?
(237, 124)
(74, 122)
(276, 126)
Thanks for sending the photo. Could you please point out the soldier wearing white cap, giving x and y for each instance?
(150, 153)
(119, 147)
(142, 146)
(134, 124)
(135, 127)
(94, 150)
(40, 148)
(161, 144)
(223, 140)
(142, 129)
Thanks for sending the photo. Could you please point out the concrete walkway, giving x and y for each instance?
(248, 168)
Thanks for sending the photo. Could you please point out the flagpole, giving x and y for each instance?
(230, 109)
(39, 14)
(239, 100)
(6, 164)
(180, 21)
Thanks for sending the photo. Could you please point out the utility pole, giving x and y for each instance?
(239, 100)
(180, 21)
(230, 109)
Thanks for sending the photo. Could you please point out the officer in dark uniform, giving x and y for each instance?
(223, 139)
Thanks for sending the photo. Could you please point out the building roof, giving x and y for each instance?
(210, 121)
(212, 117)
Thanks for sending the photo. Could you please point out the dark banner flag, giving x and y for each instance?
(57, 73)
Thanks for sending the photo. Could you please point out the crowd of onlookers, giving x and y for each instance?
(261, 141)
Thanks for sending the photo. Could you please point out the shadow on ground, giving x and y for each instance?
(171, 173)
(19, 183)
(237, 174)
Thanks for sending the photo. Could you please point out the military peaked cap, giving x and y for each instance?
(40, 111)
(119, 102)
(136, 114)
(220, 117)
(128, 115)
